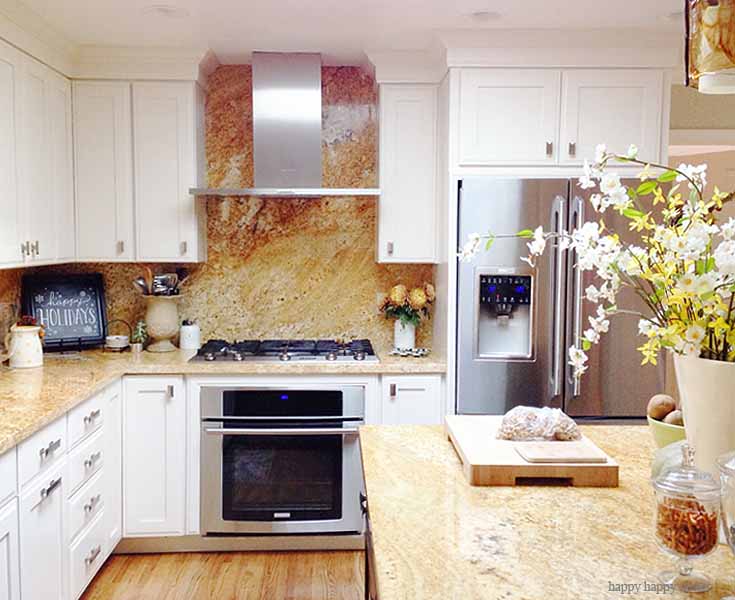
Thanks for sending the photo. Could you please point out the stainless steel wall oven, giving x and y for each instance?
(281, 460)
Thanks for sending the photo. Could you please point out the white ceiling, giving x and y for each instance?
(339, 29)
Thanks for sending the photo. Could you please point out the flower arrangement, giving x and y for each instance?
(408, 306)
(29, 321)
(683, 268)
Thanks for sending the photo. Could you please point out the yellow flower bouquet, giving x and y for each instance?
(408, 306)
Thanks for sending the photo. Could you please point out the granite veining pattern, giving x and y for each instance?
(438, 538)
(33, 398)
(279, 268)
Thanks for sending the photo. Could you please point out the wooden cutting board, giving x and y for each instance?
(488, 461)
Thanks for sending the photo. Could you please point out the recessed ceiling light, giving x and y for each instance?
(170, 11)
(484, 15)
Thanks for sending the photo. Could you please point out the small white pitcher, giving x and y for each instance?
(24, 347)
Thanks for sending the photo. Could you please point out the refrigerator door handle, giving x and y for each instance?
(557, 350)
(576, 295)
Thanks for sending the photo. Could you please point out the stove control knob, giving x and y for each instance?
(237, 356)
(331, 356)
(209, 356)
(359, 355)
(284, 356)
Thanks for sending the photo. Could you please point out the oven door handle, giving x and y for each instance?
(344, 431)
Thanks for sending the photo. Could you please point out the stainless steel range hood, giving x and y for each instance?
(287, 130)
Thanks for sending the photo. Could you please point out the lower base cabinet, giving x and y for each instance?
(42, 541)
(87, 554)
(9, 552)
(412, 400)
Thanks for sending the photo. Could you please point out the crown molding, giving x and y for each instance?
(33, 35)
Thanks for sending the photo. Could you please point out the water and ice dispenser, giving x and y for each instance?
(504, 315)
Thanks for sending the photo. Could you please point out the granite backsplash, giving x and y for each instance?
(277, 268)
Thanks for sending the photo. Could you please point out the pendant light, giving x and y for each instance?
(710, 45)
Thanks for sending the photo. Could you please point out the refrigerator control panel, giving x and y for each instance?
(505, 289)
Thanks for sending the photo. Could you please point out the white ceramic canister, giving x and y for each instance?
(24, 346)
(190, 337)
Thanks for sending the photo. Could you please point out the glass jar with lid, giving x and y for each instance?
(687, 521)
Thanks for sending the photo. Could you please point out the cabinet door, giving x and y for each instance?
(412, 400)
(154, 456)
(165, 168)
(508, 117)
(9, 552)
(42, 533)
(34, 183)
(60, 173)
(616, 107)
(113, 463)
(104, 171)
(407, 174)
(10, 216)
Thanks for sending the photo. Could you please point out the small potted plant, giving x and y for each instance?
(140, 335)
(407, 308)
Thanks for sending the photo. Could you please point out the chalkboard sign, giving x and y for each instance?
(70, 307)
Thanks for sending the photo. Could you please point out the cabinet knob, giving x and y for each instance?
(393, 391)
(389, 248)
(549, 148)
(572, 149)
(184, 248)
(121, 247)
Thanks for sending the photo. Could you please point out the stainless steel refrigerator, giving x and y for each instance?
(515, 323)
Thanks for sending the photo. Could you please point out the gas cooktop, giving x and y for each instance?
(286, 350)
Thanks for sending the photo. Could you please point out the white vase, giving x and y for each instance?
(707, 392)
(162, 321)
(404, 336)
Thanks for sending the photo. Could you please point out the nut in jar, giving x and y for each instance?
(687, 521)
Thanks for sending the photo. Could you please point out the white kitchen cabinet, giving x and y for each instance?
(9, 552)
(407, 205)
(103, 150)
(112, 472)
(61, 165)
(154, 456)
(167, 119)
(412, 400)
(42, 536)
(508, 116)
(617, 107)
(10, 213)
(38, 219)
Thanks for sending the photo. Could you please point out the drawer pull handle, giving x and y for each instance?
(572, 149)
(393, 391)
(549, 148)
(91, 417)
(93, 502)
(170, 391)
(47, 491)
(93, 554)
(50, 449)
(93, 458)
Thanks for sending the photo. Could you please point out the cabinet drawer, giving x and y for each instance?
(86, 504)
(87, 555)
(8, 475)
(86, 418)
(41, 450)
(85, 460)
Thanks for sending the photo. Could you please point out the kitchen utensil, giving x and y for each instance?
(487, 460)
(117, 342)
(687, 521)
(140, 284)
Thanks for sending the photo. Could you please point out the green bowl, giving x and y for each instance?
(664, 433)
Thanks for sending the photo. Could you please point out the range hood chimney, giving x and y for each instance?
(287, 130)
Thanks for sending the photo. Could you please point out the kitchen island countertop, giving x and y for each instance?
(436, 537)
(33, 398)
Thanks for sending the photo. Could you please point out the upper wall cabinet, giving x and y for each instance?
(166, 123)
(136, 158)
(550, 117)
(407, 205)
(10, 236)
(103, 150)
(508, 117)
(617, 107)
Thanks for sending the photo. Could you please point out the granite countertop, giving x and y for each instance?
(33, 398)
(436, 537)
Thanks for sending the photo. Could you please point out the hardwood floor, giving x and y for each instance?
(231, 576)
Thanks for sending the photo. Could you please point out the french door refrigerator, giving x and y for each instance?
(515, 323)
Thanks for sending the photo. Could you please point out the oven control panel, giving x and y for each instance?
(505, 289)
